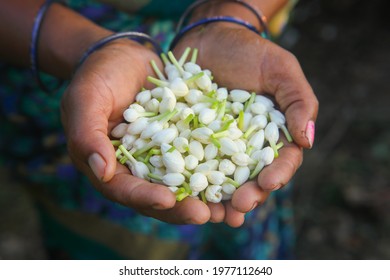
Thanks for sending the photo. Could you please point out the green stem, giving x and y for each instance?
(157, 70)
(286, 133)
(171, 149)
(127, 154)
(155, 176)
(249, 150)
(241, 120)
(273, 146)
(221, 110)
(194, 55)
(257, 169)
(184, 56)
(165, 59)
(151, 153)
(116, 143)
(157, 82)
(222, 133)
(203, 196)
(188, 119)
(187, 188)
(175, 62)
(231, 181)
(215, 142)
(187, 173)
(196, 122)
(181, 194)
(147, 114)
(143, 149)
(249, 131)
(193, 78)
(279, 145)
(250, 101)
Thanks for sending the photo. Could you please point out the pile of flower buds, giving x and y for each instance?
(198, 139)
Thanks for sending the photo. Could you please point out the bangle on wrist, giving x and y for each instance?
(259, 16)
(34, 45)
(136, 36)
(202, 21)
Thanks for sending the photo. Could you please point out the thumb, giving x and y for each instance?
(286, 81)
(86, 127)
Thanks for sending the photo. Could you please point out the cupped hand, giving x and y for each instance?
(101, 89)
(239, 58)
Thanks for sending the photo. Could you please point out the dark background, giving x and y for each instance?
(342, 194)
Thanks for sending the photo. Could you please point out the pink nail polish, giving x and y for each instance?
(310, 132)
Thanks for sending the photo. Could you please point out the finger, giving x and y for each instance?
(217, 211)
(248, 197)
(85, 119)
(233, 217)
(284, 78)
(282, 169)
(187, 211)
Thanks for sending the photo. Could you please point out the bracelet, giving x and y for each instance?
(34, 45)
(133, 35)
(202, 21)
(260, 17)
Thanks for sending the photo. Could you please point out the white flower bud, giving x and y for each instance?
(202, 134)
(227, 167)
(173, 161)
(198, 107)
(210, 152)
(196, 149)
(128, 141)
(204, 82)
(191, 67)
(257, 140)
(215, 177)
(238, 95)
(156, 161)
(241, 174)
(228, 147)
(131, 115)
(143, 97)
(140, 143)
(193, 97)
(271, 132)
(241, 159)
(267, 155)
(207, 166)
(191, 162)
(213, 193)
(185, 112)
(240, 145)
(181, 144)
(215, 125)
(258, 109)
(168, 101)
(171, 72)
(151, 129)
(120, 130)
(173, 189)
(138, 126)
(137, 107)
(157, 92)
(182, 125)
(234, 132)
(198, 182)
(247, 120)
(173, 179)
(265, 101)
(259, 121)
(237, 107)
(207, 115)
(164, 136)
(179, 87)
(222, 94)
(139, 169)
(153, 105)
(185, 133)
(165, 148)
(228, 188)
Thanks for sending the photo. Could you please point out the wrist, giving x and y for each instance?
(64, 37)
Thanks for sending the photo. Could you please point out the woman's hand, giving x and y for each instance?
(238, 58)
(102, 88)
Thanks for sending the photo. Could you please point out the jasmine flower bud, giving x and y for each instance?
(156, 161)
(202, 134)
(143, 97)
(238, 95)
(207, 115)
(241, 174)
(119, 131)
(196, 149)
(227, 167)
(151, 129)
(173, 161)
(198, 182)
(216, 177)
(191, 162)
(228, 147)
(210, 152)
(153, 105)
(164, 136)
(241, 159)
(228, 188)
(213, 193)
(173, 179)
(181, 144)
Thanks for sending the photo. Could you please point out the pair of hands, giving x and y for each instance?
(108, 81)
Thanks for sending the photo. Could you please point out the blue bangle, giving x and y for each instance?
(34, 45)
(260, 17)
(202, 21)
(136, 36)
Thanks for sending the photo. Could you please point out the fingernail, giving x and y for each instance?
(98, 165)
(310, 132)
